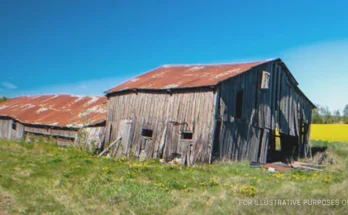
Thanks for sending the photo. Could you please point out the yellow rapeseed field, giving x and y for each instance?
(330, 132)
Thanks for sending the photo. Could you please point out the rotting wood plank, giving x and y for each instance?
(110, 146)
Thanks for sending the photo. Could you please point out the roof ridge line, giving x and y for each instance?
(217, 64)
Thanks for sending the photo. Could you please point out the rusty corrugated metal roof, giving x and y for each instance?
(56, 110)
(185, 76)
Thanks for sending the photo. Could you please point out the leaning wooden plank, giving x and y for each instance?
(108, 148)
(310, 168)
(160, 152)
(264, 146)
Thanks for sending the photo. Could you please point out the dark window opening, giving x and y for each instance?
(147, 133)
(14, 125)
(239, 105)
(187, 135)
(216, 145)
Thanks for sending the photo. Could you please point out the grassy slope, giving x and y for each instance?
(40, 178)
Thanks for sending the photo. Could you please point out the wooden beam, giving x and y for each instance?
(108, 148)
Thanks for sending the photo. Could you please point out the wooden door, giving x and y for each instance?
(126, 132)
(185, 148)
(171, 141)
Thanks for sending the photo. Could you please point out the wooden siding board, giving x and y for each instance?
(5, 128)
(51, 131)
(276, 107)
(264, 146)
(254, 139)
(195, 109)
(18, 133)
(95, 136)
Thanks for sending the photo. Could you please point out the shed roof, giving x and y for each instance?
(185, 76)
(56, 110)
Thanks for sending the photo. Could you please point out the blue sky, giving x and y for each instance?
(87, 47)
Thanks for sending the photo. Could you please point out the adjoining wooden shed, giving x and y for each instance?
(203, 113)
(66, 119)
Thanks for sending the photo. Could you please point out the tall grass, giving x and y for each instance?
(42, 178)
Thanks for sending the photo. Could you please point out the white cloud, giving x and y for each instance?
(322, 71)
(88, 87)
(8, 85)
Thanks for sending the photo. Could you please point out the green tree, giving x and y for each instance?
(3, 99)
(316, 117)
(336, 116)
(345, 114)
(326, 114)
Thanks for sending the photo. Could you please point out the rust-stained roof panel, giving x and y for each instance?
(56, 110)
(185, 76)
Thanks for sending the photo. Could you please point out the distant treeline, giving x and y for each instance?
(323, 115)
(2, 99)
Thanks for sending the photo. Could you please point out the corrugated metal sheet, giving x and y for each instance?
(56, 110)
(185, 76)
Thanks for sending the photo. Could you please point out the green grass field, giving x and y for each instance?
(44, 179)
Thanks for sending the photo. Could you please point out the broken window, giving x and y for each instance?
(186, 135)
(239, 104)
(14, 125)
(147, 133)
(265, 80)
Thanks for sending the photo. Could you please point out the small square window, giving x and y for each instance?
(147, 133)
(187, 135)
(265, 80)
(14, 125)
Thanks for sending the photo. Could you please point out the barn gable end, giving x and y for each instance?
(281, 108)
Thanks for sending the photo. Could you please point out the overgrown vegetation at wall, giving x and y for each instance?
(42, 178)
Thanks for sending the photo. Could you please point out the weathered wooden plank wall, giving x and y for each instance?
(17, 131)
(70, 136)
(59, 140)
(10, 129)
(5, 128)
(211, 115)
(167, 115)
(13, 129)
(95, 136)
(281, 107)
(69, 133)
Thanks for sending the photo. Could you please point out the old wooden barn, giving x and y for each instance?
(66, 119)
(203, 113)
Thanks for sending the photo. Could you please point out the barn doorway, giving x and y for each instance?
(282, 147)
(146, 141)
(179, 143)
